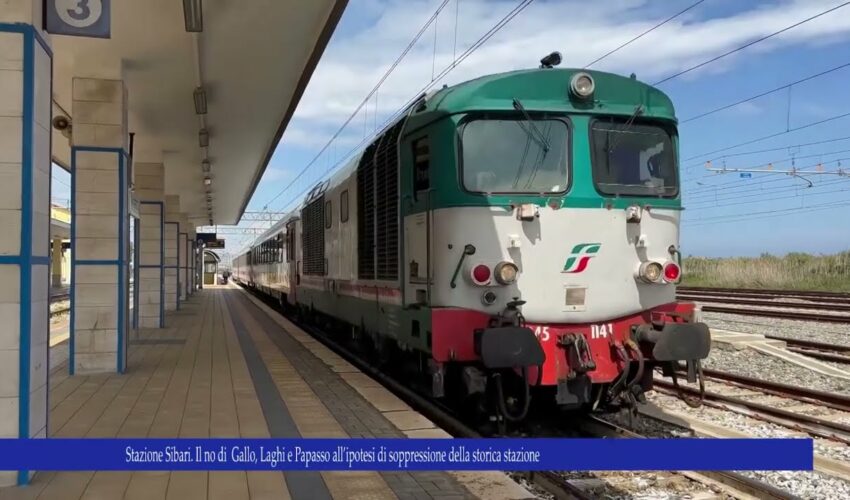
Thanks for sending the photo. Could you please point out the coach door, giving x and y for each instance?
(292, 261)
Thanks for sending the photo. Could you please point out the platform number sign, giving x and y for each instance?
(88, 18)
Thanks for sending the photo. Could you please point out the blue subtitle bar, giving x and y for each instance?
(405, 454)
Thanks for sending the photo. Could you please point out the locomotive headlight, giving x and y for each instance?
(582, 85)
(506, 272)
(650, 272)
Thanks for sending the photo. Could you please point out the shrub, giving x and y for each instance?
(794, 271)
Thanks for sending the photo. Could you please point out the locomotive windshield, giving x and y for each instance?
(514, 155)
(633, 159)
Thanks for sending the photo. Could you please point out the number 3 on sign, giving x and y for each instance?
(79, 13)
(542, 333)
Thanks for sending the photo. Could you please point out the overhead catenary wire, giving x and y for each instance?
(368, 97)
(737, 191)
(456, 62)
(769, 136)
(768, 150)
(764, 214)
(638, 37)
(714, 175)
(749, 44)
(363, 103)
(765, 93)
(800, 192)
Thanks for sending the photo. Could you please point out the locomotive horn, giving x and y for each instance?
(551, 60)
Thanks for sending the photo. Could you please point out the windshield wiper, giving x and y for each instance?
(629, 123)
(541, 139)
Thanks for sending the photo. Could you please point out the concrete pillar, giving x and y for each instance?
(56, 263)
(172, 264)
(100, 227)
(182, 257)
(192, 237)
(25, 130)
(149, 184)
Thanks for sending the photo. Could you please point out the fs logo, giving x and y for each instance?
(580, 256)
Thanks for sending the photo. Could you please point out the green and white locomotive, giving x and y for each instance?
(510, 237)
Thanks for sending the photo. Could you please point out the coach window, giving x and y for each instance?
(343, 206)
(421, 164)
(329, 215)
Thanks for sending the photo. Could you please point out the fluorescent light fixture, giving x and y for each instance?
(207, 181)
(193, 15)
(203, 138)
(200, 96)
(205, 166)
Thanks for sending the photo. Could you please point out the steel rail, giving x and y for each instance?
(805, 423)
(765, 291)
(772, 313)
(730, 299)
(733, 480)
(803, 394)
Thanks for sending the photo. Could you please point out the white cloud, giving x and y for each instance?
(352, 65)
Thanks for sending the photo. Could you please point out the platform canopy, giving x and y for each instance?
(253, 59)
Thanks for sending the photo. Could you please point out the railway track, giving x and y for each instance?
(774, 313)
(815, 426)
(820, 296)
(803, 394)
(59, 311)
(804, 305)
(552, 482)
(818, 350)
(837, 307)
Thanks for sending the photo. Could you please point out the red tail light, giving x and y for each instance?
(481, 274)
(672, 272)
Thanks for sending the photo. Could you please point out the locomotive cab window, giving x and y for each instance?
(343, 206)
(421, 164)
(515, 155)
(634, 159)
(328, 214)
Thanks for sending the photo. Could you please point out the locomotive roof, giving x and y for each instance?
(548, 90)
(538, 89)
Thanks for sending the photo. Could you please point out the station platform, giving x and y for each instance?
(226, 365)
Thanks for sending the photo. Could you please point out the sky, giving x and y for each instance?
(725, 214)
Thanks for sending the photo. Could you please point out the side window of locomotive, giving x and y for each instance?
(290, 245)
(421, 164)
(633, 159)
(343, 206)
(515, 155)
(329, 215)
